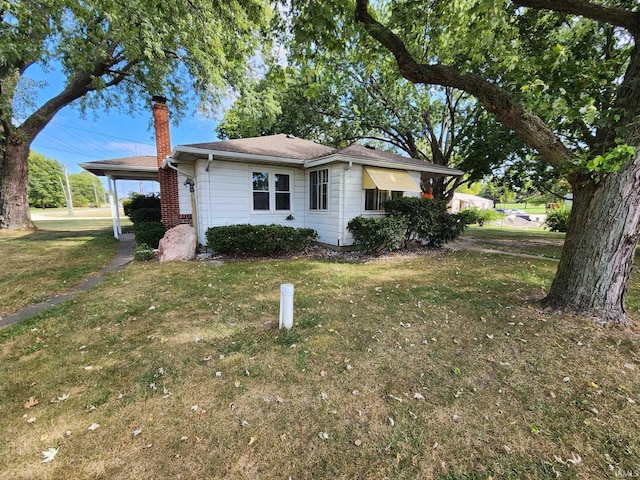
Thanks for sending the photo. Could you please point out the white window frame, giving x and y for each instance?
(271, 173)
(378, 193)
(326, 184)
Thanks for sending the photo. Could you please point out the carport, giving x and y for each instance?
(142, 167)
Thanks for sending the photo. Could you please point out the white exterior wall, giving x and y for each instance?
(326, 222)
(184, 194)
(225, 196)
(354, 199)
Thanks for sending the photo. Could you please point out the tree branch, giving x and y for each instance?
(496, 100)
(619, 17)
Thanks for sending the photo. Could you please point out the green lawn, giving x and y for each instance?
(433, 366)
(83, 219)
(40, 264)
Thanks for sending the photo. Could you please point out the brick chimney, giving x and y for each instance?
(168, 178)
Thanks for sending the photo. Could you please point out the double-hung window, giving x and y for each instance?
(374, 199)
(271, 191)
(319, 189)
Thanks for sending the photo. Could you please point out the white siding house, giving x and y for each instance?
(289, 181)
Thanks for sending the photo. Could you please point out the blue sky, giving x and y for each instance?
(71, 139)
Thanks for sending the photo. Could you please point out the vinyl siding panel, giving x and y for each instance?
(326, 222)
(225, 196)
(184, 194)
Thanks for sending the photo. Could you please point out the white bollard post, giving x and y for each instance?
(286, 306)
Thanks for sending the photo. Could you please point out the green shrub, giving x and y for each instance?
(143, 252)
(143, 215)
(149, 232)
(558, 221)
(473, 215)
(376, 234)
(468, 216)
(259, 239)
(139, 202)
(427, 219)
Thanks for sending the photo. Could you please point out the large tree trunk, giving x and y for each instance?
(599, 249)
(14, 205)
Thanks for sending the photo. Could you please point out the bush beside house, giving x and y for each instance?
(376, 234)
(259, 239)
(408, 218)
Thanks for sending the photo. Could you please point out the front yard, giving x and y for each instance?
(439, 365)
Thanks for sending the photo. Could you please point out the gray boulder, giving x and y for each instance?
(179, 243)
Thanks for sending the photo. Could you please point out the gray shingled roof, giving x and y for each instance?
(360, 152)
(281, 145)
(289, 147)
(272, 148)
(126, 167)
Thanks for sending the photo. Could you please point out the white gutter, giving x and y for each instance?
(385, 164)
(166, 163)
(244, 156)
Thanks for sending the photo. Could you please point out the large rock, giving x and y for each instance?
(179, 243)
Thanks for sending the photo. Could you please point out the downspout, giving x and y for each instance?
(191, 183)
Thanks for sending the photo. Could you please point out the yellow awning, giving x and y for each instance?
(387, 179)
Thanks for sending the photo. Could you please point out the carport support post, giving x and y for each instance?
(114, 209)
(115, 195)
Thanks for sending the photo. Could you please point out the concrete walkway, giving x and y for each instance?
(123, 256)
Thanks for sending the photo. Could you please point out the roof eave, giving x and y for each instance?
(384, 164)
(222, 154)
(101, 169)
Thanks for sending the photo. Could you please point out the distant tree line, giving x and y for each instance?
(47, 183)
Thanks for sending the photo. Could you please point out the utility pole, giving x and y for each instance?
(95, 194)
(69, 198)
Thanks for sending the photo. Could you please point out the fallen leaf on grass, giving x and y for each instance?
(32, 402)
(49, 455)
(251, 441)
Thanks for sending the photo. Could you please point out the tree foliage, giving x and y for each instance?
(563, 76)
(85, 186)
(337, 98)
(113, 54)
(45, 189)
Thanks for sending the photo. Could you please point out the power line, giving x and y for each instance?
(102, 134)
(70, 151)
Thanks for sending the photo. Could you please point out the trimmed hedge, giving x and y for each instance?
(139, 202)
(149, 232)
(259, 239)
(146, 215)
(377, 234)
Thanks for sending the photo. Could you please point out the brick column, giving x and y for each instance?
(168, 178)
